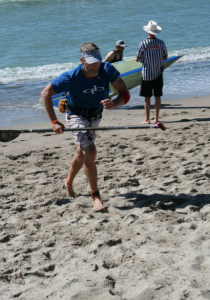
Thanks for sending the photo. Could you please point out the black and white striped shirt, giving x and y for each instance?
(151, 53)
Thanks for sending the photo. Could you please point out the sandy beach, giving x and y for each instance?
(153, 242)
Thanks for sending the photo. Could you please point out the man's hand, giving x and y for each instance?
(108, 104)
(58, 127)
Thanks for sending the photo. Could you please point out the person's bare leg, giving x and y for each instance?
(147, 110)
(157, 108)
(91, 174)
(76, 165)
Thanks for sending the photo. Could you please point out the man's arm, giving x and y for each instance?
(109, 57)
(47, 94)
(139, 53)
(121, 99)
(165, 52)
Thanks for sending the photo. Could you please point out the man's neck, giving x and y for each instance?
(151, 36)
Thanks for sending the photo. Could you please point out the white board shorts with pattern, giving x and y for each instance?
(82, 138)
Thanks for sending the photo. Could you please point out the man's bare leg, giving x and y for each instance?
(91, 174)
(76, 165)
(157, 108)
(147, 110)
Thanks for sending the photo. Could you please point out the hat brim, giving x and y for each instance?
(91, 60)
(123, 46)
(155, 32)
(92, 56)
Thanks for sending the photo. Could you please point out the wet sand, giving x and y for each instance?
(153, 242)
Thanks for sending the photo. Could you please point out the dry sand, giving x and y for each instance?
(154, 240)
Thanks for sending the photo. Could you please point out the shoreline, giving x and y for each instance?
(170, 104)
(153, 241)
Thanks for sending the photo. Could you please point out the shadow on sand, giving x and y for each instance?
(165, 202)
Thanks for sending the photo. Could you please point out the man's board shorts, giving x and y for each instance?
(83, 138)
(147, 87)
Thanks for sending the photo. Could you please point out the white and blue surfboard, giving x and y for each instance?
(130, 72)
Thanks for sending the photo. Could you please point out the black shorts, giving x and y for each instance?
(147, 87)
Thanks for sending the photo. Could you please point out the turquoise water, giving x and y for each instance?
(41, 39)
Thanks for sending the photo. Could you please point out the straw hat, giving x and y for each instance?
(152, 28)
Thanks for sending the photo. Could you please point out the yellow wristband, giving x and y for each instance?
(55, 121)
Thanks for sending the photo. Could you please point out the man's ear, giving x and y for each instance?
(81, 59)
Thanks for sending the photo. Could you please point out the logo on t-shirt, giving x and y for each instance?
(94, 90)
(154, 47)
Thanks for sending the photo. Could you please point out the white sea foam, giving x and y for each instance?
(193, 54)
(33, 73)
(50, 71)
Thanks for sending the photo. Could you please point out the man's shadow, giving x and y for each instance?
(163, 106)
(172, 106)
(155, 202)
(165, 202)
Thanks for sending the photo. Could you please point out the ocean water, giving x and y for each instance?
(41, 39)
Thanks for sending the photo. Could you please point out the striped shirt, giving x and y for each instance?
(151, 53)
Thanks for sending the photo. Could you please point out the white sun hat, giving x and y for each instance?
(152, 28)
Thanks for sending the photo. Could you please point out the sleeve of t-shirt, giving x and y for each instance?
(165, 52)
(112, 73)
(139, 53)
(61, 83)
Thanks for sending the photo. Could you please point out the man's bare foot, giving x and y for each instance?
(98, 205)
(145, 122)
(69, 189)
(156, 121)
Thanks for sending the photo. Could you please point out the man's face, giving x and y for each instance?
(120, 48)
(91, 69)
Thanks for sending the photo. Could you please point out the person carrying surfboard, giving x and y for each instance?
(151, 53)
(87, 87)
(116, 54)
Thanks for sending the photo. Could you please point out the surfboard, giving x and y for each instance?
(130, 72)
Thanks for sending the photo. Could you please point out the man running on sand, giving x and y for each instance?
(151, 53)
(87, 86)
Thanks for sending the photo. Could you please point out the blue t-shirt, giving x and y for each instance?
(86, 93)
